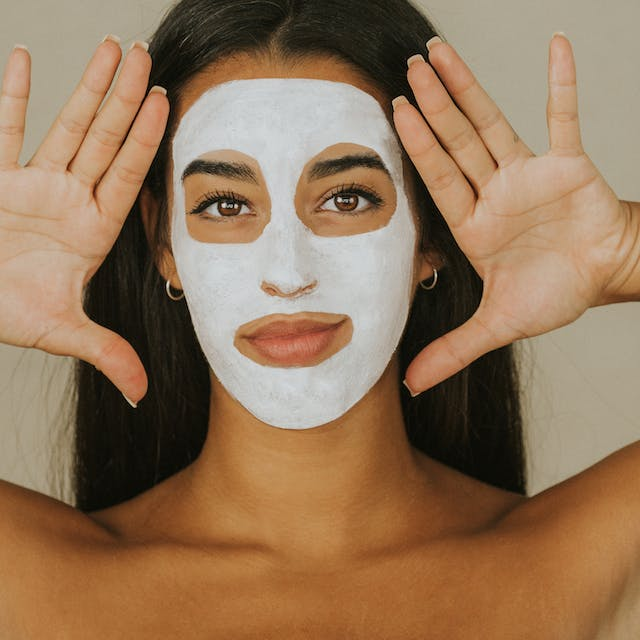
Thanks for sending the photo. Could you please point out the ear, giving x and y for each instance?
(165, 262)
(427, 262)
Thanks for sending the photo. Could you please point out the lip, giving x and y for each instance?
(298, 340)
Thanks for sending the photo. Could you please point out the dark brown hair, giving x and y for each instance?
(471, 421)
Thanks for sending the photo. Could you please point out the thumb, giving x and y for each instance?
(454, 351)
(112, 354)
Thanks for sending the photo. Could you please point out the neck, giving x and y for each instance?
(350, 484)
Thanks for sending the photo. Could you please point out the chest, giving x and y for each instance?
(452, 592)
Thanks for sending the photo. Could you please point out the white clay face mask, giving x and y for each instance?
(318, 266)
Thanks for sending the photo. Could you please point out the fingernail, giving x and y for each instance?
(21, 46)
(432, 41)
(413, 395)
(415, 58)
(559, 33)
(141, 44)
(398, 101)
(111, 37)
(158, 89)
(133, 404)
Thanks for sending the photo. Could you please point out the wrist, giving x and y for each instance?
(625, 285)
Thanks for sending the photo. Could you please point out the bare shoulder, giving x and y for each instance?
(38, 538)
(588, 529)
(578, 543)
(27, 515)
(604, 499)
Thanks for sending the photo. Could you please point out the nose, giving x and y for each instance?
(288, 261)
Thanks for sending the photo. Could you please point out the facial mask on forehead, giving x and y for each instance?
(282, 124)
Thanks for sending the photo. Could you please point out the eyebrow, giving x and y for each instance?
(234, 170)
(325, 168)
(321, 169)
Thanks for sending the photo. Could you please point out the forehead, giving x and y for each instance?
(258, 116)
(248, 66)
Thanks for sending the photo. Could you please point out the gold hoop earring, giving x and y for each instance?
(168, 290)
(433, 284)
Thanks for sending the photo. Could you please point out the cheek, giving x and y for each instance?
(207, 275)
(366, 269)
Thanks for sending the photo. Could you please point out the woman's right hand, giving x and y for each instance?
(62, 212)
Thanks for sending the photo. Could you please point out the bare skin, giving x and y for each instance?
(553, 566)
(340, 531)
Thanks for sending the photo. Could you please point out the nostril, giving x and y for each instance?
(268, 289)
(310, 287)
(274, 290)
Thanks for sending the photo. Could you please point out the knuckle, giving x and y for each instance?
(510, 157)
(104, 355)
(563, 86)
(461, 362)
(129, 175)
(72, 125)
(564, 116)
(14, 101)
(461, 139)
(434, 111)
(567, 149)
(95, 92)
(467, 85)
(11, 130)
(82, 174)
(127, 101)
(489, 120)
(441, 181)
(421, 153)
(148, 145)
(107, 138)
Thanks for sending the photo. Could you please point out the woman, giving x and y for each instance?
(312, 509)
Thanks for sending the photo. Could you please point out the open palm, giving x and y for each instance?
(61, 214)
(544, 233)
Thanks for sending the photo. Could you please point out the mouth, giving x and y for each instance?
(298, 340)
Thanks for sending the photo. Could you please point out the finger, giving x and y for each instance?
(109, 353)
(70, 127)
(455, 351)
(120, 186)
(449, 189)
(562, 107)
(497, 134)
(14, 97)
(110, 127)
(452, 128)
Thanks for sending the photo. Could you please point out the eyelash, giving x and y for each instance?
(214, 197)
(354, 189)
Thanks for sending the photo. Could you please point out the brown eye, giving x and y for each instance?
(229, 207)
(346, 203)
(218, 206)
(352, 200)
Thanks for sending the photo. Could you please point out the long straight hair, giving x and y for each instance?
(471, 422)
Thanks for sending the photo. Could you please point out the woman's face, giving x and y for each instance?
(293, 234)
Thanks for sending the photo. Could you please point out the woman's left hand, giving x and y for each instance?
(546, 234)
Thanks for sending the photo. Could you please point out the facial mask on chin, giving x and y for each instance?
(283, 123)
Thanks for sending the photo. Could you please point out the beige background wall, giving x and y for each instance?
(583, 381)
